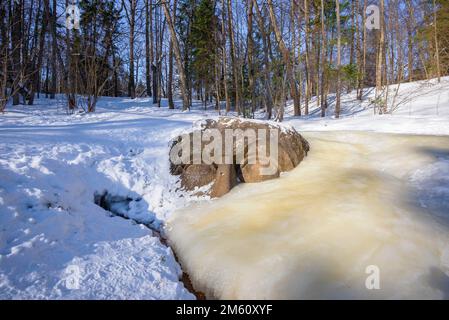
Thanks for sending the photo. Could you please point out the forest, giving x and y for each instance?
(234, 56)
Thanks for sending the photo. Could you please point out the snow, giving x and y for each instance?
(419, 108)
(53, 163)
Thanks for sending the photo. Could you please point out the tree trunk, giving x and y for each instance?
(148, 10)
(351, 52)
(224, 55)
(16, 43)
(362, 80)
(323, 61)
(380, 48)
(235, 73)
(177, 53)
(358, 50)
(155, 82)
(410, 40)
(250, 41)
(37, 65)
(294, 90)
(131, 15)
(307, 66)
(266, 61)
(337, 102)
(435, 34)
(171, 104)
(399, 41)
(53, 52)
(115, 74)
(287, 60)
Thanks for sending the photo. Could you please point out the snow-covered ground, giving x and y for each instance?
(419, 108)
(56, 243)
(51, 165)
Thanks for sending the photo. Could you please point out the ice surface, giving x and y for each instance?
(352, 203)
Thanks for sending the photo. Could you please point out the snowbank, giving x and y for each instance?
(51, 165)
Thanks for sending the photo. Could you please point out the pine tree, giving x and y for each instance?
(204, 44)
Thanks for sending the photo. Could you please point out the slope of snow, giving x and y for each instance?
(52, 164)
(419, 108)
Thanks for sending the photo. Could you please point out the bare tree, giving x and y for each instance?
(54, 50)
(307, 66)
(171, 104)
(435, 35)
(177, 53)
(410, 39)
(148, 44)
(287, 60)
(130, 13)
(16, 43)
(323, 61)
(224, 56)
(234, 58)
(37, 61)
(266, 61)
(337, 102)
(250, 45)
(380, 49)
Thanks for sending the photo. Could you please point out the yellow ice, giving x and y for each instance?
(313, 232)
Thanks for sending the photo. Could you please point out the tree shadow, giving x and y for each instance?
(431, 189)
(437, 279)
(68, 218)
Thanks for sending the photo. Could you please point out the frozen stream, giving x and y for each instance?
(358, 199)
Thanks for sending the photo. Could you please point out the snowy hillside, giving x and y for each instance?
(53, 164)
(419, 107)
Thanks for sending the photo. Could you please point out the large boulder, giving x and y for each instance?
(225, 180)
(197, 175)
(238, 162)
